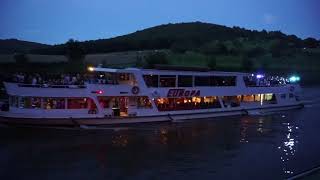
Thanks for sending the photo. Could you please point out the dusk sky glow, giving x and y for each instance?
(56, 21)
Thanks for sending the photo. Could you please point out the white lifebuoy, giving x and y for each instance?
(155, 93)
(135, 90)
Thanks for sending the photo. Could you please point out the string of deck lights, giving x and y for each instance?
(279, 79)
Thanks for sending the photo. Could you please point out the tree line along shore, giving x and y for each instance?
(309, 70)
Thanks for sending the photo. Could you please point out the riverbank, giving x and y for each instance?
(307, 66)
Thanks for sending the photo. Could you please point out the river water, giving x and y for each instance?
(273, 146)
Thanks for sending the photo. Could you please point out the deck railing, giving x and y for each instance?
(52, 86)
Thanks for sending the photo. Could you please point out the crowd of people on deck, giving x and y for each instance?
(267, 81)
(36, 79)
(61, 79)
(101, 79)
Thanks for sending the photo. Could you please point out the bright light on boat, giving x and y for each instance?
(294, 78)
(90, 68)
(259, 76)
(97, 92)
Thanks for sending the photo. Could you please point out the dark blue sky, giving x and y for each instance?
(56, 21)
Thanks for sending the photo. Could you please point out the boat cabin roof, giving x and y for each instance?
(167, 72)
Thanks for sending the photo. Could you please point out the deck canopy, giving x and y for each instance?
(166, 72)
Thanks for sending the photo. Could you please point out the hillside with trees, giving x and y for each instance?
(10, 46)
(192, 44)
(197, 36)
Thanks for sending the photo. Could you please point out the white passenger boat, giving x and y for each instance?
(114, 96)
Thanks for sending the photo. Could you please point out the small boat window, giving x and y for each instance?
(257, 97)
(54, 103)
(262, 98)
(106, 78)
(144, 102)
(231, 101)
(26, 102)
(126, 78)
(14, 101)
(35, 102)
(202, 81)
(167, 81)
(215, 80)
(81, 103)
(222, 80)
(104, 101)
(248, 98)
(184, 81)
(268, 97)
(151, 80)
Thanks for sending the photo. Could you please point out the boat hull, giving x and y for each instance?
(141, 119)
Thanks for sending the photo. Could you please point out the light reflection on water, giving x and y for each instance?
(288, 147)
(255, 147)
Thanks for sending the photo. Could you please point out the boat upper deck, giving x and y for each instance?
(167, 72)
(148, 78)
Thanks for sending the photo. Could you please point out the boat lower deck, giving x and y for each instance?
(142, 119)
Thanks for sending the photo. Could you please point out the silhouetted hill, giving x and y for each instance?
(10, 46)
(179, 37)
(188, 44)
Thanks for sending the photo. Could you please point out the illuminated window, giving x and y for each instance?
(53, 103)
(25, 102)
(248, 98)
(176, 104)
(35, 102)
(268, 97)
(143, 102)
(104, 101)
(124, 77)
(257, 97)
(196, 99)
(81, 103)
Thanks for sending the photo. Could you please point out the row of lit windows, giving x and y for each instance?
(174, 104)
(51, 103)
(116, 102)
(258, 97)
(141, 102)
(75, 103)
(188, 80)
